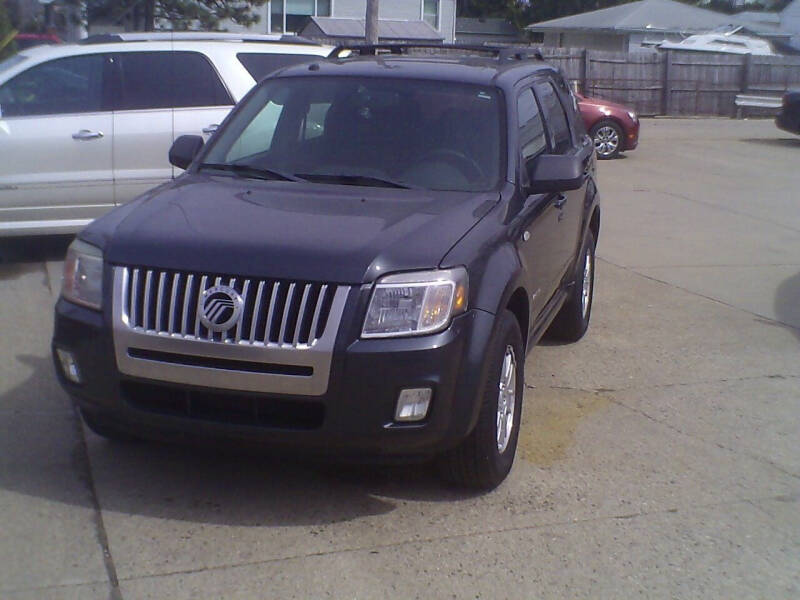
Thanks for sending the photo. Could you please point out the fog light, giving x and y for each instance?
(69, 366)
(412, 404)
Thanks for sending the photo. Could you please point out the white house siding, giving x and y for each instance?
(402, 10)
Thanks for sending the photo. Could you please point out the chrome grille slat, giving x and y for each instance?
(312, 333)
(146, 311)
(172, 301)
(200, 290)
(134, 298)
(277, 314)
(287, 307)
(255, 311)
(300, 314)
(160, 301)
(276, 288)
(239, 325)
(187, 288)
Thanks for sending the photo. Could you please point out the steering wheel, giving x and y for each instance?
(468, 166)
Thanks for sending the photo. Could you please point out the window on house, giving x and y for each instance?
(291, 15)
(276, 16)
(430, 12)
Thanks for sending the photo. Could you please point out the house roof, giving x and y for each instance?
(645, 15)
(388, 30)
(485, 26)
(755, 16)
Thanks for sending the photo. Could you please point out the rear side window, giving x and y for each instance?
(557, 125)
(260, 65)
(63, 86)
(531, 129)
(168, 79)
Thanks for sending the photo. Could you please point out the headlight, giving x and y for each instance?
(83, 275)
(415, 303)
(633, 116)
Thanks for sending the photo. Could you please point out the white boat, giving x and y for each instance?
(720, 42)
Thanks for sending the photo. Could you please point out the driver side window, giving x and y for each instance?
(532, 139)
(63, 86)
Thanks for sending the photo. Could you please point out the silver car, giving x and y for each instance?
(86, 127)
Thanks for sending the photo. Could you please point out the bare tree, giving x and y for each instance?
(372, 21)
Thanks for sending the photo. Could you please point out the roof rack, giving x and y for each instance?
(502, 53)
(160, 36)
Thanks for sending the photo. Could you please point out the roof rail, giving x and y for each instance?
(502, 53)
(206, 36)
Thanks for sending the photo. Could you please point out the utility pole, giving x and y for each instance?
(372, 21)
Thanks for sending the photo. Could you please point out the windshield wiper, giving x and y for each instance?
(346, 179)
(250, 171)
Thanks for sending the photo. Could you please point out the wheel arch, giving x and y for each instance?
(520, 307)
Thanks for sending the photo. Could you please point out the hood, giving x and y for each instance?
(599, 103)
(312, 232)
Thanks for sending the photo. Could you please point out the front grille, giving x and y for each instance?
(274, 313)
(228, 408)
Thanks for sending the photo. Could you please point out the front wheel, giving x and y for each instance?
(607, 137)
(484, 458)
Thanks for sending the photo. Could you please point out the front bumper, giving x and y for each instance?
(353, 417)
(631, 135)
(788, 121)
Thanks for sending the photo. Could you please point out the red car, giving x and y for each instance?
(613, 127)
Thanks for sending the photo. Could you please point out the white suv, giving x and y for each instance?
(86, 127)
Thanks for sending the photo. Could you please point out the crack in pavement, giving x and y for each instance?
(458, 536)
(657, 386)
(698, 294)
(54, 586)
(85, 468)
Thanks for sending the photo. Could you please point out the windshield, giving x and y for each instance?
(367, 131)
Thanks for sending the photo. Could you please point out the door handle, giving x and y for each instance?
(561, 200)
(211, 128)
(85, 134)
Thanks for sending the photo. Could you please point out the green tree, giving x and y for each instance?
(181, 14)
(7, 45)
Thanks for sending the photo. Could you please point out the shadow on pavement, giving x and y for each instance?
(787, 303)
(34, 248)
(775, 142)
(214, 483)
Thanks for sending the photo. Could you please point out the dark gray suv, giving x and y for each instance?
(356, 263)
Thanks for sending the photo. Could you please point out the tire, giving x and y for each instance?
(572, 320)
(608, 139)
(485, 457)
(105, 428)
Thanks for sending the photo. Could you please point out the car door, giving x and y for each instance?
(201, 100)
(144, 83)
(56, 145)
(570, 204)
(536, 226)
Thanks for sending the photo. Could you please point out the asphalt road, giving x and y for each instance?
(659, 457)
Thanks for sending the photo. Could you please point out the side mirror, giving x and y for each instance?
(555, 173)
(184, 149)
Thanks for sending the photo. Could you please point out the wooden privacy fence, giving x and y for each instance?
(674, 82)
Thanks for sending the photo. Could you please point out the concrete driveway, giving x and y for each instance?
(659, 457)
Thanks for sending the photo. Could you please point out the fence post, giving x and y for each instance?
(585, 72)
(744, 83)
(666, 84)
